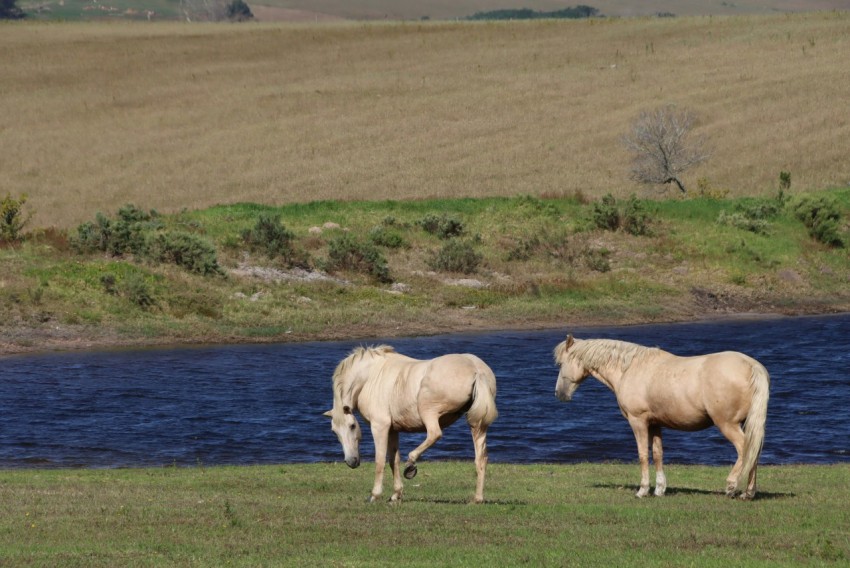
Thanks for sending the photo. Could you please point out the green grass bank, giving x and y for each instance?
(346, 270)
(316, 515)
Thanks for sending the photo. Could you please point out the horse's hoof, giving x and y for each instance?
(371, 499)
(410, 471)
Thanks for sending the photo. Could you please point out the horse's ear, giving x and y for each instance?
(329, 414)
(570, 341)
(346, 410)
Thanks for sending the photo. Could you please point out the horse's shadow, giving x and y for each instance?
(761, 495)
(438, 501)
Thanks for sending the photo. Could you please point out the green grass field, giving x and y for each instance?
(316, 515)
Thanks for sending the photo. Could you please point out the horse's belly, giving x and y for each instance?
(686, 423)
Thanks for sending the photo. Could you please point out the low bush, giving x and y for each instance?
(185, 250)
(822, 218)
(12, 219)
(383, 236)
(632, 217)
(141, 234)
(442, 226)
(270, 236)
(456, 256)
(345, 252)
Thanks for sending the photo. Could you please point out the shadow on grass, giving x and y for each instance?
(760, 495)
(438, 501)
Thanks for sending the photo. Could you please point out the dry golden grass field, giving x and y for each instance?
(307, 10)
(172, 116)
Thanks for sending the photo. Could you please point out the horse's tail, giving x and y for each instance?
(754, 426)
(483, 411)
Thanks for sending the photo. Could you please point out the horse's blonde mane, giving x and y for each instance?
(342, 389)
(601, 353)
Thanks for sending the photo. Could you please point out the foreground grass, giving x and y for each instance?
(310, 515)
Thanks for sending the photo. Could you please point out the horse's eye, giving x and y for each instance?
(351, 427)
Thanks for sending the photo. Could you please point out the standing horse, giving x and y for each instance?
(395, 393)
(655, 388)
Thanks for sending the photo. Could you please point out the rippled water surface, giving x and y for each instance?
(252, 404)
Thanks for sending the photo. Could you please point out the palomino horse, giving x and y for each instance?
(655, 388)
(395, 393)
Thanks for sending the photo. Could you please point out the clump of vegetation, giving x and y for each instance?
(12, 219)
(185, 250)
(456, 256)
(442, 226)
(346, 252)
(383, 236)
(141, 234)
(574, 13)
(631, 217)
(598, 259)
(822, 217)
(752, 215)
(238, 11)
(270, 236)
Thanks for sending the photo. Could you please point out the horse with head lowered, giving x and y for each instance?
(395, 393)
(657, 389)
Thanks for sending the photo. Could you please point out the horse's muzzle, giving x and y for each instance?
(563, 396)
(352, 462)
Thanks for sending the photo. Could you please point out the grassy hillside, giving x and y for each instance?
(332, 269)
(316, 515)
(173, 116)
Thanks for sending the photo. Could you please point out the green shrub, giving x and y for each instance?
(384, 237)
(270, 236)
(605, 214)
(822, 217)
(186, 250)
(633, 218)
(126, 234)
(345, 252)
(137, 291)
(442, 226)
(12, 220)
(141, 234)
(456, 256)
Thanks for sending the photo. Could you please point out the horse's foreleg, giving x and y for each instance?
(642, 438)
(658, 458)
(479, 438)
(395, 465)
(380, 434)
(433, 433)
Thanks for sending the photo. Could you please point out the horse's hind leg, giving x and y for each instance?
(479, 438)
(433, 433)
(735, 434)
(658, 458)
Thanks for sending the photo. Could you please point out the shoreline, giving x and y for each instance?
(54, 339)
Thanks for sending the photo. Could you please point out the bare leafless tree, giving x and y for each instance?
(663, 147)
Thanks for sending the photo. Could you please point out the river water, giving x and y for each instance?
(260, 404)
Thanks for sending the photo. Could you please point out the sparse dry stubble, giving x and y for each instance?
(173, 116)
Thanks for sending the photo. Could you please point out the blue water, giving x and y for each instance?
(255, 404)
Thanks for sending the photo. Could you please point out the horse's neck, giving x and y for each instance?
(609, 375)
(352, 390)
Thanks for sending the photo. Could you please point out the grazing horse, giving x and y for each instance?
(395, 393)
(655, 388)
